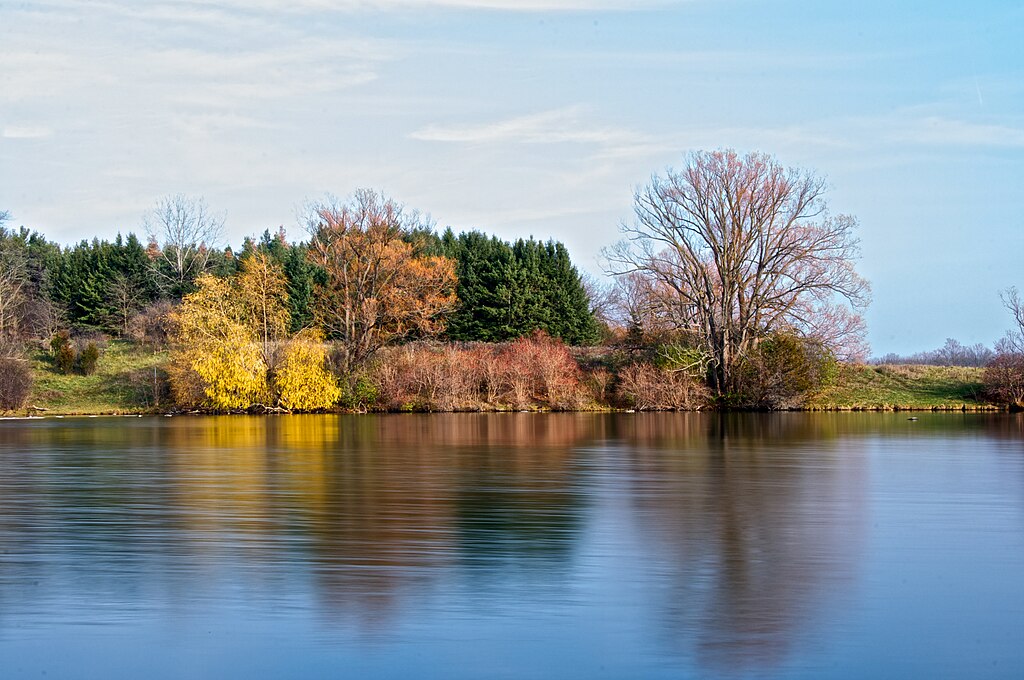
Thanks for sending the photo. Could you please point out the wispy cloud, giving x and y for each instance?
(564, 125)
(214, 10)
(573, 125)
(26, 132)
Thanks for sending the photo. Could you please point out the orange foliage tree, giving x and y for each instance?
(378, 287)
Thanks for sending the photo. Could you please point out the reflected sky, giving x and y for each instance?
(513, 545)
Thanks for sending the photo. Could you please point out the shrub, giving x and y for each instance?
(64, 358)
(540, 369)
(302, 379)
(426, 377)
(150, 386)
(530, 372)
(59, 340)
(649, 388)
(88, 358)
(1004, 380)
(225, 376)
(359, 393)
(153, 325)
(783, 370)
(15, 383)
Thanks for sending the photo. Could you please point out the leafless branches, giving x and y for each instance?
(188, 232)
(731, 248)
(1013, 341)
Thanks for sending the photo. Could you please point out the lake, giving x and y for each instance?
(513, 546)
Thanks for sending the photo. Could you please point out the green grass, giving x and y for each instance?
(904, 387)
(122, 382)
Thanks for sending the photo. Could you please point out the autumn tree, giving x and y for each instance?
(378, 284)
(183, 235)
(737, 248)
(263, 297)
(230, 349)
(215, 359)
(302, 380)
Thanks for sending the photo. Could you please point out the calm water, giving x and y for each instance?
(513, 546)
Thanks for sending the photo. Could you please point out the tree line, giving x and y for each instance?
(501, 290)
(735, 285)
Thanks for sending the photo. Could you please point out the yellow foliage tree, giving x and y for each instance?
(216, 361)
(302, 380)
(263, 298)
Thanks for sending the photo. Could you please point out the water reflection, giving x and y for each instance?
(727, 541)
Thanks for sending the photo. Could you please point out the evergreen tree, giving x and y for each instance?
(101, 284)
(507, 290)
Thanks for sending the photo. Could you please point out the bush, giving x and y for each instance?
(63, 352)
(531, 372)
(359, 394)
(153, 325)
(783, 371)
(59, 339)
(15, 383)
(649, 388)
(541, 369)
(302, 380)
(150, 386)
(88, 358)
(1004, 380)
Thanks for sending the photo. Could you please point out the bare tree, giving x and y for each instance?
(12, 285)
(735, 248)
(187, 233)
(1013, 341)
(127, 298)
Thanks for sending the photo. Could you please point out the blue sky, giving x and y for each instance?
(535, 118)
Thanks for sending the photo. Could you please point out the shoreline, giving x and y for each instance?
(891, 408)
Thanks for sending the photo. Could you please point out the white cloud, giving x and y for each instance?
(548, 127)
(26, 132)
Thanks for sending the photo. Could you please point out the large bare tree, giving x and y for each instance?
(733, 248)
(186, 232)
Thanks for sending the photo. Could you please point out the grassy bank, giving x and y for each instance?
(122, 383)
(904, 388)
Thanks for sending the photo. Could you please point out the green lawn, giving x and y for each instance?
(123, 382)
(905, 387)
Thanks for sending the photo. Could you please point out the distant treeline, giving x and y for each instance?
(953, 353)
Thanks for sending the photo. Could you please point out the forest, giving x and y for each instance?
(734, 287)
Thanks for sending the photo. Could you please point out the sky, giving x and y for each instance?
(535, 117)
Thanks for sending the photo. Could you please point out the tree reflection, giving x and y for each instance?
(742, 531)
(758, 517)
